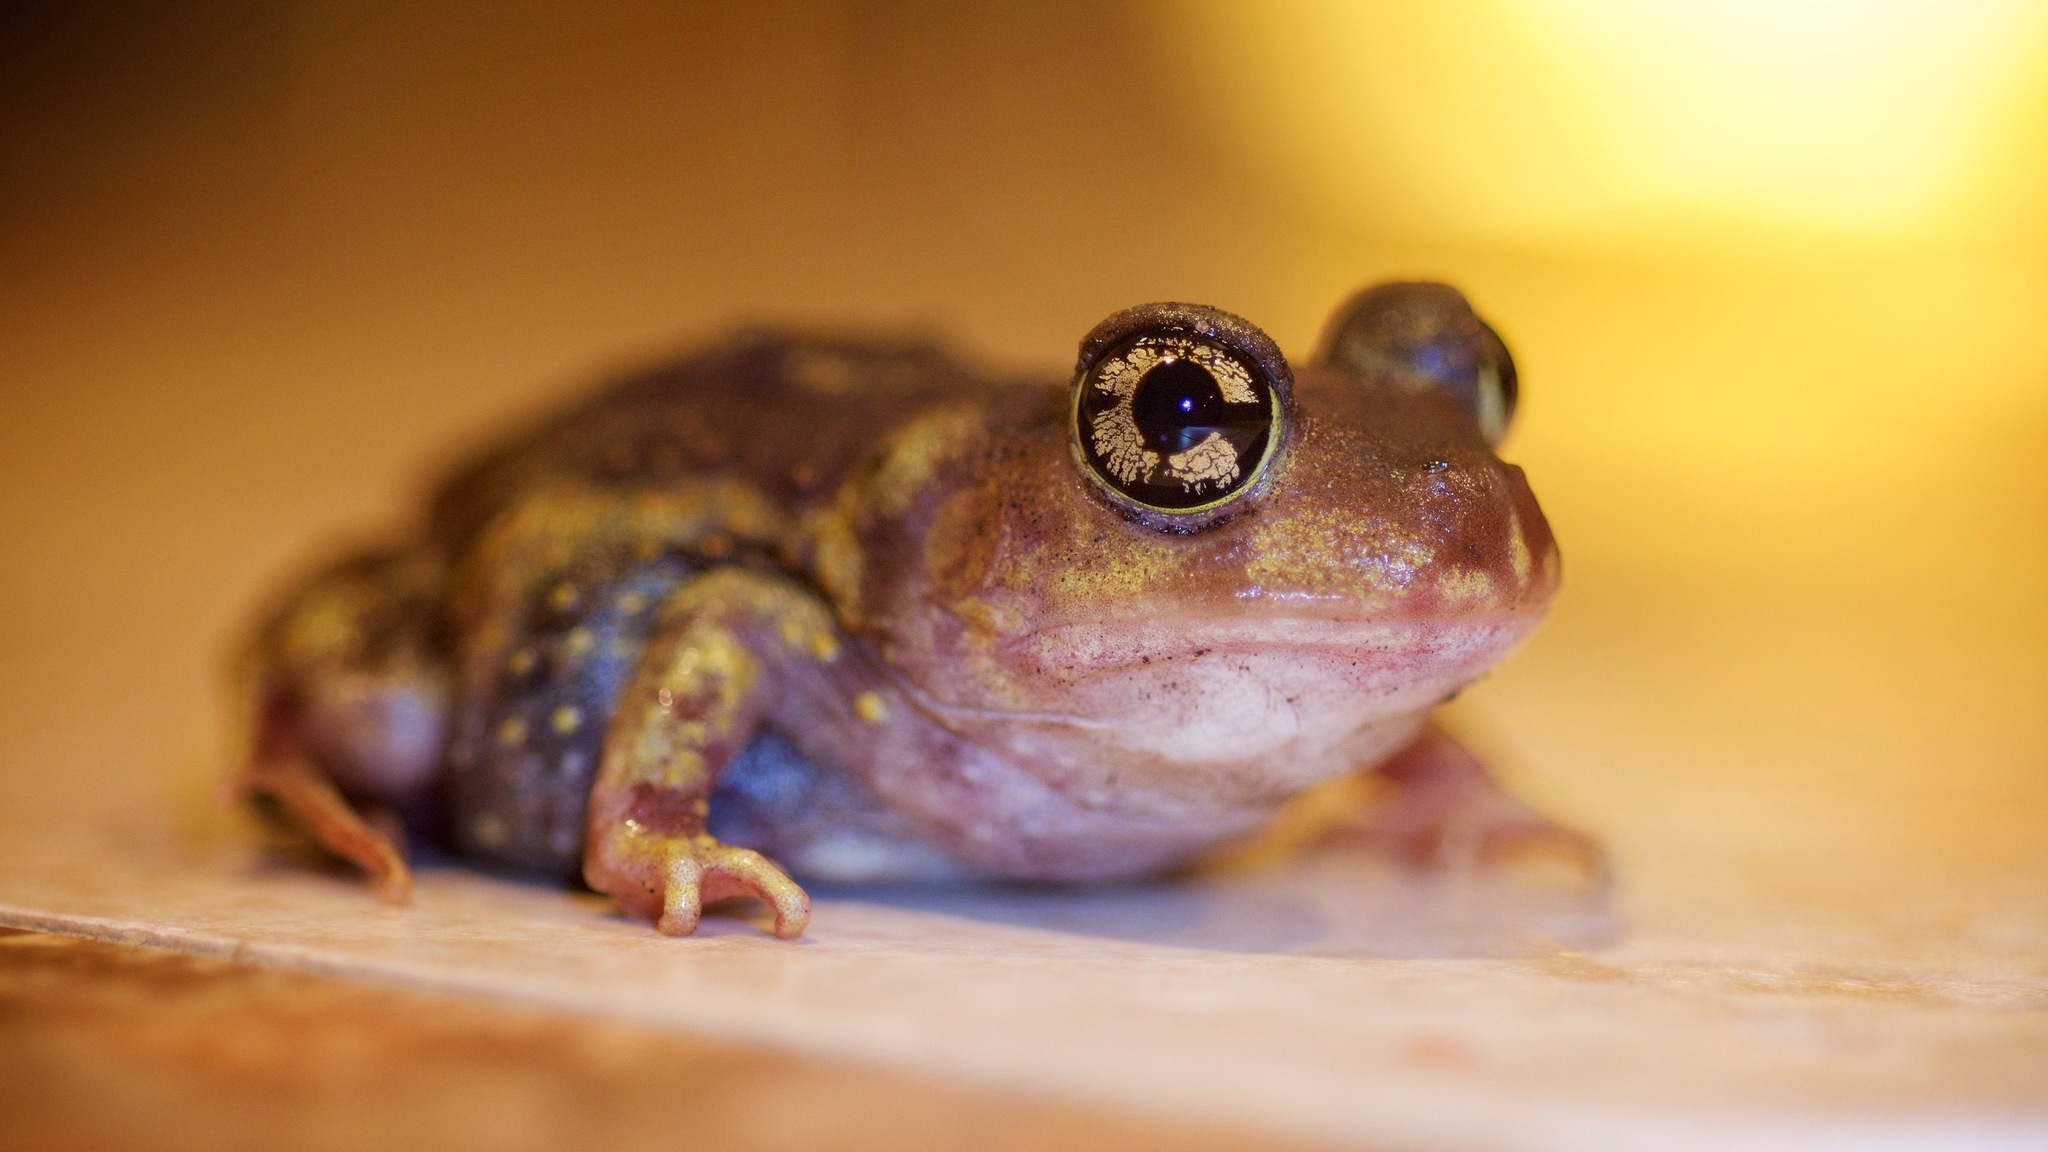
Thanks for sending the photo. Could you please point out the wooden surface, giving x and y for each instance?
(111, 1047)
(1317, 996)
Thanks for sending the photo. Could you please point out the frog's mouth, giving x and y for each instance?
(1389, 653)
(1220, 689)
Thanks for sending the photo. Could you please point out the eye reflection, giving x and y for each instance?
(1176, 405)
(1174, 422)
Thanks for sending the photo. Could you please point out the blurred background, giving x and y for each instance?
(1776, 273)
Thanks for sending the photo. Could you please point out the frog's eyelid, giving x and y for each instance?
(1199, 321)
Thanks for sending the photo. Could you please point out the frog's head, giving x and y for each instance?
(1214, 552)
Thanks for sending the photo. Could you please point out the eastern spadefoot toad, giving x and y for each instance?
(848, 610)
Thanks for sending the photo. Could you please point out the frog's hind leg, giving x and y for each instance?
(343, 700)
(1440, 810)
(309, 799)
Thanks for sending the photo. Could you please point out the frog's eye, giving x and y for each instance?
(1425, 336)
(1179, 410)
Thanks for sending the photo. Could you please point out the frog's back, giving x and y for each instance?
(785, 413)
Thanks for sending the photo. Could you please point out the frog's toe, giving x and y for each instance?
(700, 874)
(680, 875)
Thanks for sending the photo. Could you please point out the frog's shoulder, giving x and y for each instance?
(788, 412)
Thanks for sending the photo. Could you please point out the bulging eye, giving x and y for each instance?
(1424, 335)
(1178, 410)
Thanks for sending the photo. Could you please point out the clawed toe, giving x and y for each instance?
(700, 874)
(684, 874)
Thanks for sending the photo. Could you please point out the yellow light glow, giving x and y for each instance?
(1583, 120)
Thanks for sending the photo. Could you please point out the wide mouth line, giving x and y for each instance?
(1117, 643)
(1223, 627)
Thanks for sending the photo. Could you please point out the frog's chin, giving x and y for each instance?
(1215, 690)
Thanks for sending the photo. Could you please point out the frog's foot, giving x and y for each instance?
(1441, 811)
(670, 878)
(312, 802)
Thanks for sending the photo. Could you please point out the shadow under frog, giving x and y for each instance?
(851, 613)
(1335, 905)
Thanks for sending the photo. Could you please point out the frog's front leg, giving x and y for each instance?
(725, 657)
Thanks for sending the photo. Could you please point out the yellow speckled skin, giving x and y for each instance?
(853, 609)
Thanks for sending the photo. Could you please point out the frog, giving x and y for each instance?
(806, 608)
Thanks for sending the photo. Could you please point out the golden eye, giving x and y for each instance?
(1424, 336)
(1178, 409)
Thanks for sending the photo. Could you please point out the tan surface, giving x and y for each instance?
(257, 273)
(99, 1044)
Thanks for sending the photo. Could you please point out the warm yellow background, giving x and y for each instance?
(1776, 275)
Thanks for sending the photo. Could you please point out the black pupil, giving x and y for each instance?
(1176, 441)
(1177, 405)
